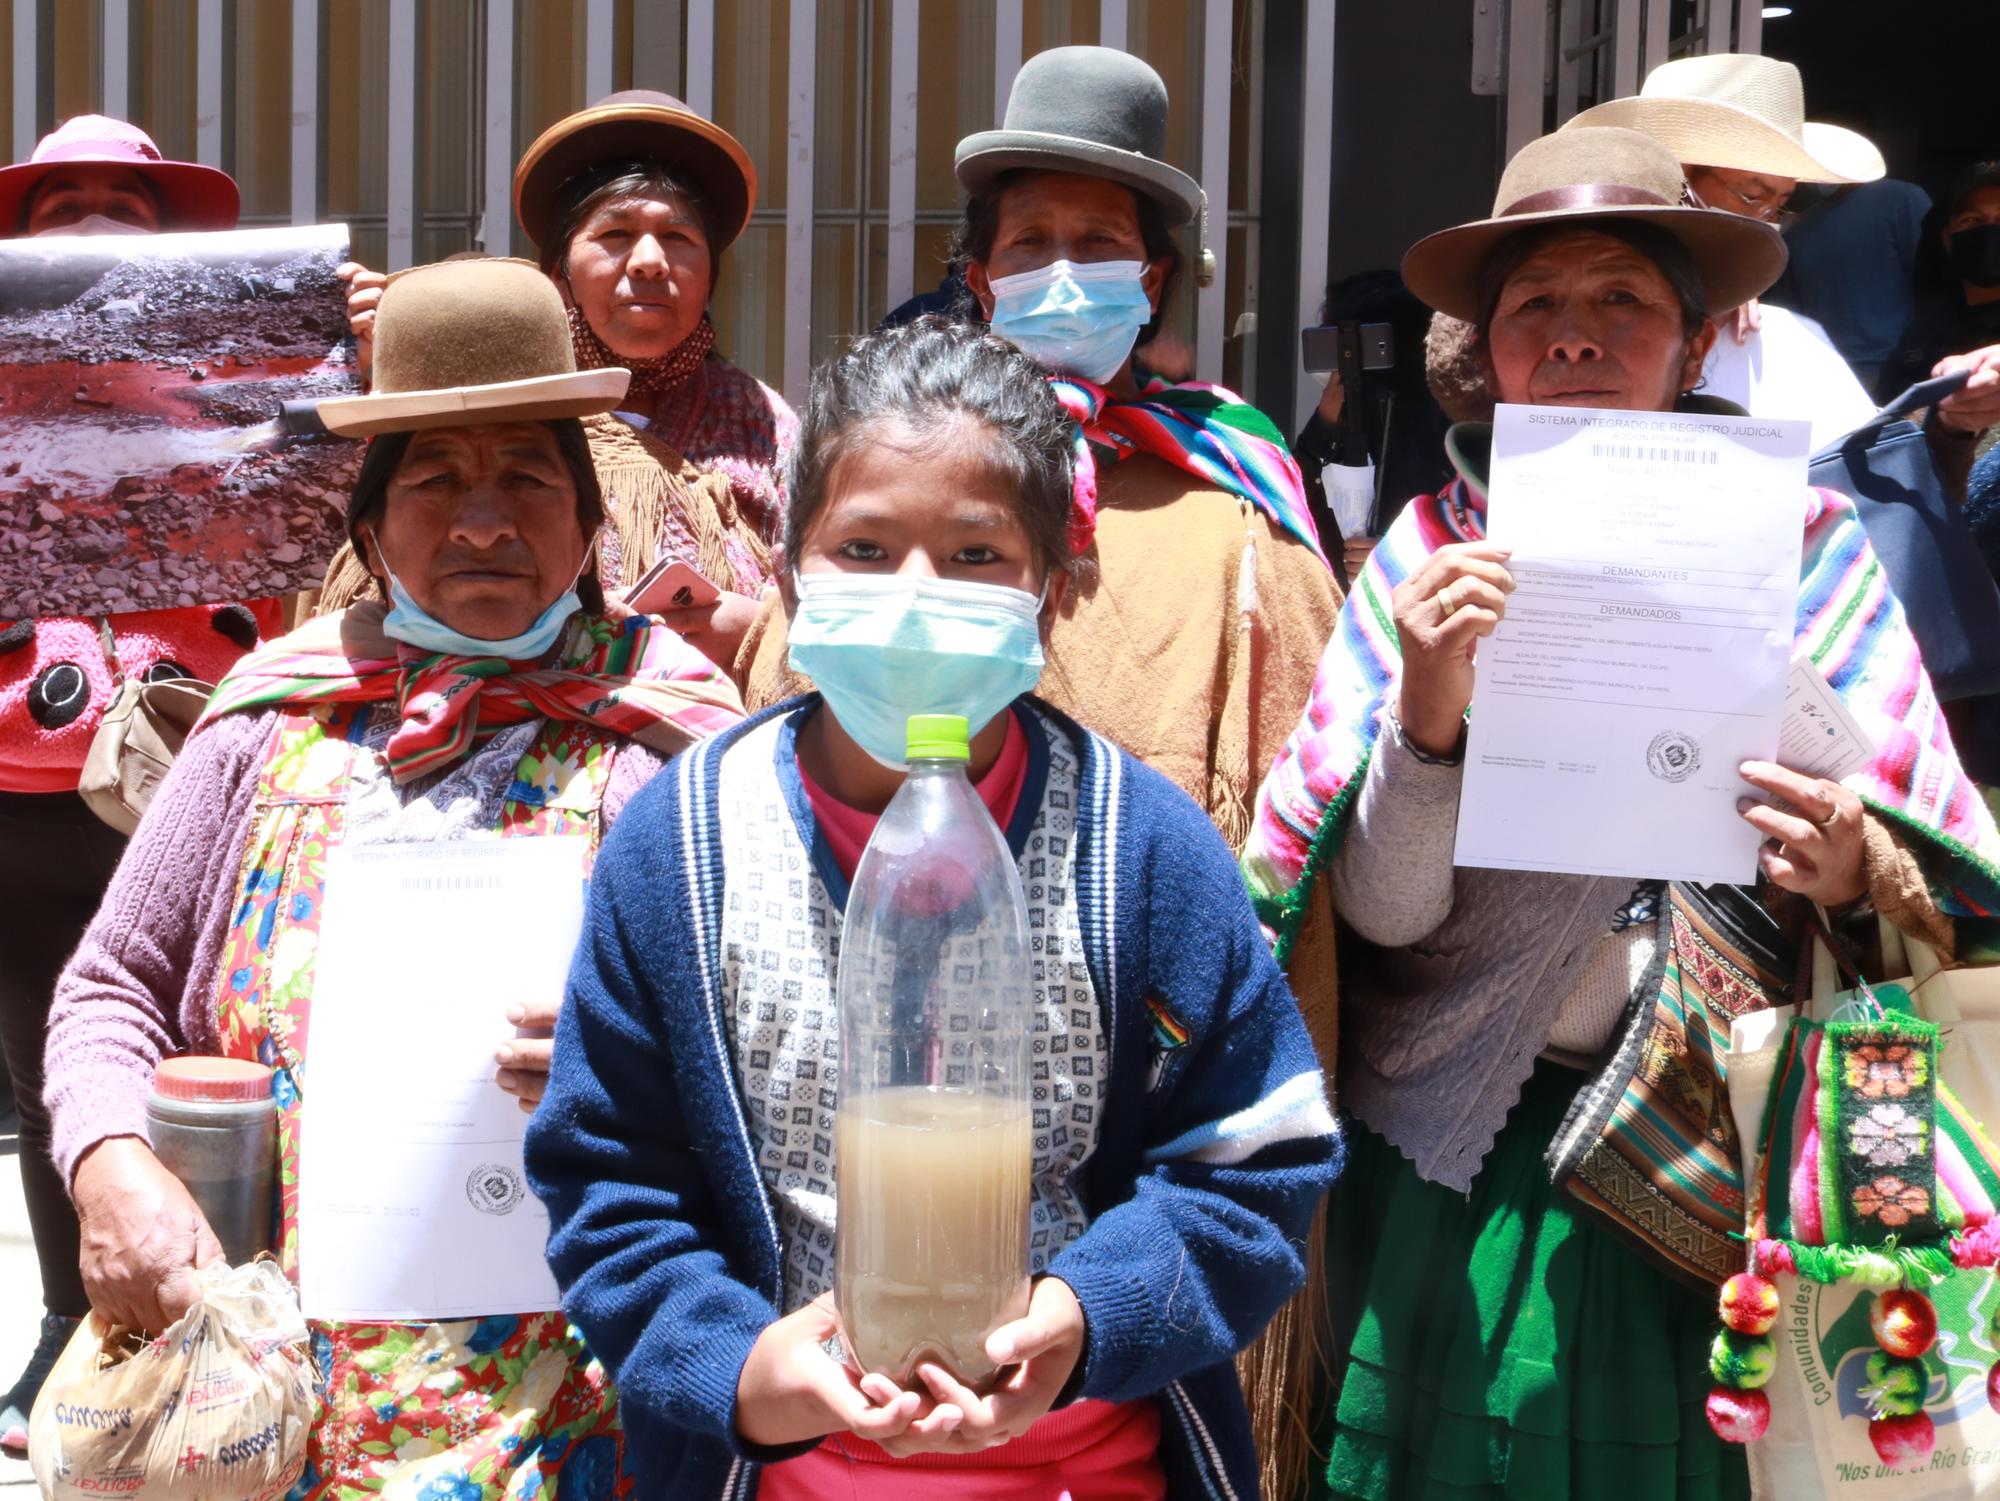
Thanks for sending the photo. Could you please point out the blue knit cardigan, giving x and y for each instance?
(1212, 1157)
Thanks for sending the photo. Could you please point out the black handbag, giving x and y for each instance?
(1922, 537)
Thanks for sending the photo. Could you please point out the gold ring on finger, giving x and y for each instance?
(1446, 600)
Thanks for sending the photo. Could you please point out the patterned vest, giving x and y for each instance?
(780, 953)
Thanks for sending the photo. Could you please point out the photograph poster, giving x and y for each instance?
(143, 462)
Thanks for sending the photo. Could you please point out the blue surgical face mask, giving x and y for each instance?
(881, 648)
(1074, 320)
(413, 625)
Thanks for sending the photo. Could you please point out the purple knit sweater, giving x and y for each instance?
(141, 985)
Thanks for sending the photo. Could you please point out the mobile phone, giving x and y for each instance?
(1368, 346)
(670, 584)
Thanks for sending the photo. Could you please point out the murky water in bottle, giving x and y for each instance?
(934, 1197)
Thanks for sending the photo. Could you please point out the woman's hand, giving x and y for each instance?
(524, 1058)
(364, 295)
(1333, 400)
(1815, 844)
(790, 1390)
(1355, 552)
(143, 1236)
(1043, 1346)
(1441, 612)
(1977, 407)
(715, 630)
(1745, 321)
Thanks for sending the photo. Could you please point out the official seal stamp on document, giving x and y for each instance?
(1673, 756)
(493, 1188)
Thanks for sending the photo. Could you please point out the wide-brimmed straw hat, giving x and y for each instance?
(1090, 110)
(639, 125)
(465, 342)
(1596, 174)
(195, 197)
(1732, 109)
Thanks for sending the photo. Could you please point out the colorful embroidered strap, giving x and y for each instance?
(633, 679)
(1651, 1143)
(1847, 622)
(1871, 1167)
(1205, 430)
(1878, 1175)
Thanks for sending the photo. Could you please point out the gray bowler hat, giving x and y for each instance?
(1092, 110)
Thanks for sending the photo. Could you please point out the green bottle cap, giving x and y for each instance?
(938, 737)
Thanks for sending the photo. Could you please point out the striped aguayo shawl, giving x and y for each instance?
(1207, 431)
(1848, 623)
(635, 679)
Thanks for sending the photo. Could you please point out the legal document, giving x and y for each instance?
(413, 1204)
(1643, 655)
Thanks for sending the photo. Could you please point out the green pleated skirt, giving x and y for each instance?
(1510, 1345)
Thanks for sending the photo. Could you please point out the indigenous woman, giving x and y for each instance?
(90, 176)
(631, 204)
(1510, 1334)
(1202, 599)
(490, 699)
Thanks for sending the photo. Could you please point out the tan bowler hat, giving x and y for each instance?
(1733, 109)
(465, 342)
(639, 125)
(1604, 175)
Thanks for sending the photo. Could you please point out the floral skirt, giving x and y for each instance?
(475, 1410)
(1506, 1344)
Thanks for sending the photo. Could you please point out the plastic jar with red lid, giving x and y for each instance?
(214, 1125)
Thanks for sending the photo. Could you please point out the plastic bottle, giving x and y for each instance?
(214, 1125)
(933, 1138)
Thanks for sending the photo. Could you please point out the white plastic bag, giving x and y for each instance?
(215, 1409)
(1350, 492)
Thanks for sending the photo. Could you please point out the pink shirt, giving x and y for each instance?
(847, 829)
(1088, 1451)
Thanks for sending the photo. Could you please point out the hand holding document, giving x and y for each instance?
(413, 1203)
(1643, 655)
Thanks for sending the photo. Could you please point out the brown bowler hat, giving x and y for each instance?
(1596, 173)
(639, 125)
(465, 342)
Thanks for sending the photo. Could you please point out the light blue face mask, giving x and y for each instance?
(410, 623)
(1074, 320)
(881, 648)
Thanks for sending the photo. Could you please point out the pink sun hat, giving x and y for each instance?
(195, 197)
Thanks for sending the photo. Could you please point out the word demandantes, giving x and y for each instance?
(1633, 571)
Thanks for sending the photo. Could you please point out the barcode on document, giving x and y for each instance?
(1647, 454)
(458, 881)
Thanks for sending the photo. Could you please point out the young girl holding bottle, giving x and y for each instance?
(1181, 1140)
